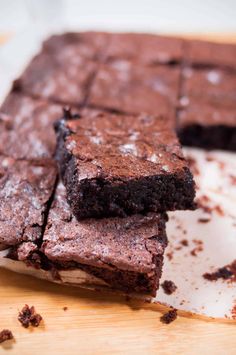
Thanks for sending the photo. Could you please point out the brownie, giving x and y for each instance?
(125, 253)
(49, 77)
(127, 87)
(207, 126)
(145, 49)
(210, 54)
(25, 191)
(118, 165)
(213, 86)
(207, 115)
(26, 127)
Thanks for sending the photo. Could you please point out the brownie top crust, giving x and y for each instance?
(143, 48)
(206, 114)
(210, 54)
(131, 88)
(127, 244)
(68, 46)
(213, 86)
(122, 146)
(50, 77)
(26, 127)
(25, 189)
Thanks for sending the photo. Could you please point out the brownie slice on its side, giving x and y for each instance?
(25, 190)
(207, 114)
(118, 165)
(26, 127)
(126, 254)
(127, 87)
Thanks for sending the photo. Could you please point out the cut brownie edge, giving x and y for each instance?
(126, 177)
(208, 137)
(101, 197)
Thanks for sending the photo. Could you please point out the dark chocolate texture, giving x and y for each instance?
(126, 253)
(117, 165)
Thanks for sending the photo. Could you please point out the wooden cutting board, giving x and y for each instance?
(99, 323)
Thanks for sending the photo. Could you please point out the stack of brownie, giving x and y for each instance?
(121, 168)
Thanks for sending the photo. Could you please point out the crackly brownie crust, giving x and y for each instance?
(26, 127)
(207, 113)
(128, 87)
(145, 49)
(68, 46)
(115, 165)
(25, 190)
(50, 78)
(210, 54)
(126, 253)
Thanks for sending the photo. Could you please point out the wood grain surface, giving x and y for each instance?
(100, 323)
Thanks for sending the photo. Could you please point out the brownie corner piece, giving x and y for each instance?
(120, 253)
(119, 165)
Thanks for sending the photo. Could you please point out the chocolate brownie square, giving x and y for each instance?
(214, 86)
(49, 77)
(207, 115)
(117, 165)
(70, 45)
(127, 253)
(126, 87)
(210, 54)
(145, 49)
(25, 190)
(26, 127)
(207, 126)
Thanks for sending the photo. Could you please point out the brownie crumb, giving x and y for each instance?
(5, 334)
(169, 287)
(28, 316)
(65, 308)
(204, 220)
(227, 272)
(184, 242)
(169, 317)
(234, 312)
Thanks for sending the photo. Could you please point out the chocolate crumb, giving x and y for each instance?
(65, 308)
(204, 220)
(5, 335)
(169, 317)
(221, 273)
(29, 316)
(234, 312)
(184, 242)
(169, 287)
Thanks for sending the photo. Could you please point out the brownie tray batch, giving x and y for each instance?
(92, 198)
